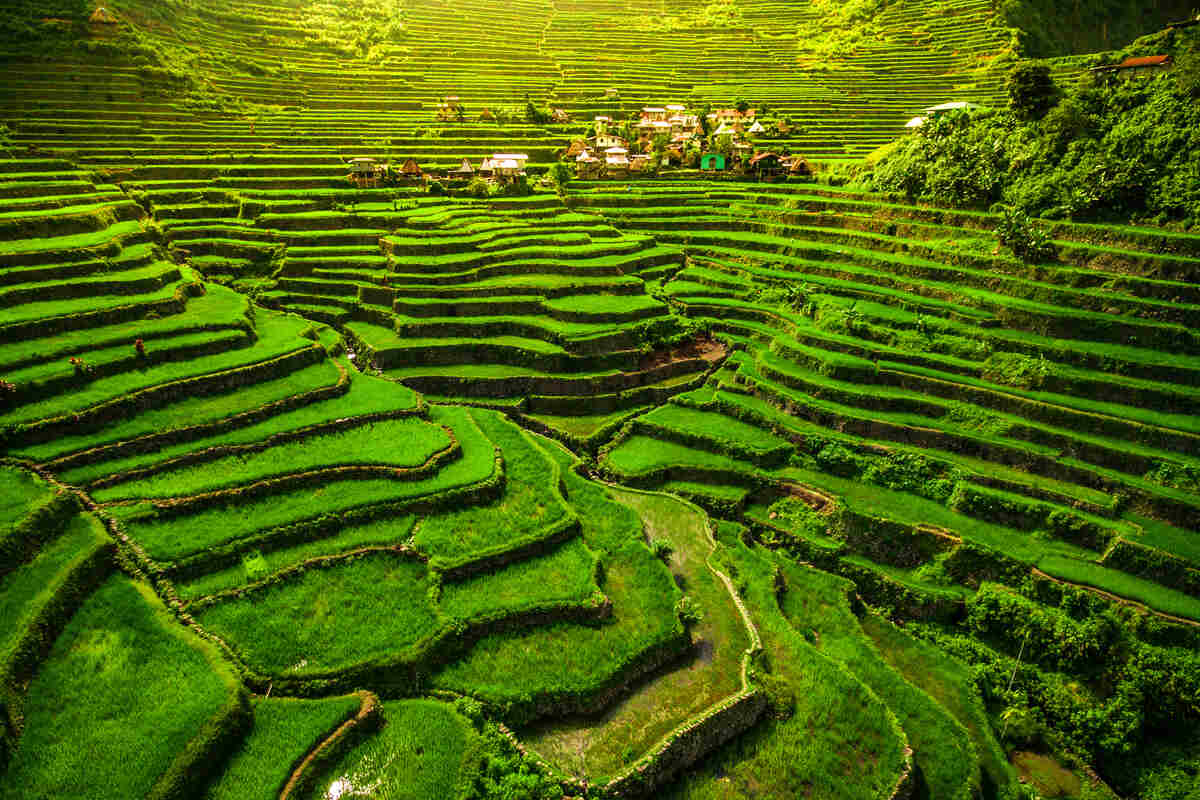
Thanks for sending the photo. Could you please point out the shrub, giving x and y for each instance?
(436, 188)
(1016, 369)
(518, 187)
(1187, 68)
(1044, 636)
(1029, 242)
(781, 697)
(661, 549)
(536, 115)
(836, 459)
(689, 612)
(478, 187)
(1105, 150)
(505, 774)
(952, 159)
(1176, 476)
(977, 419)
(1031, 90)
(795, 515)
(911, 472)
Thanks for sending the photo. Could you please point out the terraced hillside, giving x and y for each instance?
(681, 488)
(323, 79)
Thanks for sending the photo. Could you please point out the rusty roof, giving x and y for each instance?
(1145, 61)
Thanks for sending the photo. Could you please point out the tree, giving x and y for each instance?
(560, 175)
(723, 144)
(535, 115)
(742, 105)
(1031, 90)
(478, 187)
(658, 149)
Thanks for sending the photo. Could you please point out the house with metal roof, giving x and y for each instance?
(616, 161)
(1138, 66)
(508, 166)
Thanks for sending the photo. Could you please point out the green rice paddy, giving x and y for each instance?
(688, 486)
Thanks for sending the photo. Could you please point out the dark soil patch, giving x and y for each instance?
(703, 347)
(1049, 777)
(817, 501)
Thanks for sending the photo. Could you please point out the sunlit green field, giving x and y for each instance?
(849, 482)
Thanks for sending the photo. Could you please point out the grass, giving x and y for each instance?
(599, 304)
(586, 425)
(1050, 778)
(568, 658)
(895, 266)
(22, 491)
(643, 455)
(907, 508)
(715, 491)
(817, 605)
(1154, 595)
(396, 443)
(123, 354)
(837, 739)
(72, 242)
(724, 431)
(567, 573)
(951, 684)
(277, 335)
(219, 306)
(390, 531)
(122, 667)
(190, 411)
(758, 409)
(601, 747)
(530, 502)
(29, 312)
(285, 728)
(26, 590)
(421, 753)
(1166, 537)
(367, 396)
(329, 618)
(171, 538)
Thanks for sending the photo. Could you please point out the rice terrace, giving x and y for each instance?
(563, 399)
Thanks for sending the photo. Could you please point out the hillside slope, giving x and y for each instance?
(612, 488)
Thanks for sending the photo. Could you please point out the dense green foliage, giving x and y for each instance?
(1110, 149)
(817, 603)
(944, 452)
(28, 19)
(1043, 28)
(1122, 701)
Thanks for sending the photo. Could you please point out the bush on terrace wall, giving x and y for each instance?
(1111, 148)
